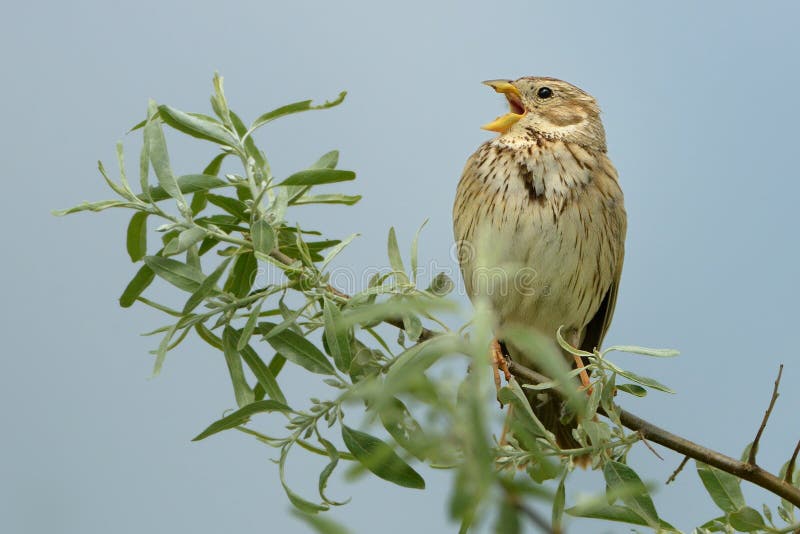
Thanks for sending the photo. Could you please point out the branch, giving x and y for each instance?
(424, 335)
(754, 447)
(648, 431)
(745, 471)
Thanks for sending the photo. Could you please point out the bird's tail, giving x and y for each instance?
(549, 408)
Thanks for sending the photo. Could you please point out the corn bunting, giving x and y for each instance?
(545, 197)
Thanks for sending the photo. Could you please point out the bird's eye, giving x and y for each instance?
(544, 92)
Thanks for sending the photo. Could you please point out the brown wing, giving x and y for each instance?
(597, 327)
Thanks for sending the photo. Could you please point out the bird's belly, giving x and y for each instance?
(546, 269)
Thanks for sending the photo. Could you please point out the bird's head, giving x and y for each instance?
(548, 108)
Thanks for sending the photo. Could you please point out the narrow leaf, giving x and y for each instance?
(318, 177)
(176, 273)
(335, 198)
(197, 126)
(618, 476)
(747, 520)
(188, 183)
(242, 416)
(184, 240)
(395, 259)
(241, 389)
(143, 278)
(379, 458)
(206, 287)
(724, 488)
(337, 339)
(263, 236)
(159, 158)
(326, 161)
(299, 350)
(249, 326)
(296, 107)
(242, 275)
(137, 236)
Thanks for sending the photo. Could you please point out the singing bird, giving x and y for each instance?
(544, 198)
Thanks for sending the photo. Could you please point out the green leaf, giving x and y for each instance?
(618, 476)
(395, 260)
(141, 280)
(235, 207)
(300, 503)
(322, 525)
(318, 177)
(163, 347)
(327, 471)
(747, 520)
(405, 430)
(329, 160)
(609, 512)
(176, 273)
(632, 389)
(241, 389)
(242, 276)
(184, 240)
(159, 158)
(296, 107)
(656, 353)
(213, 167)
(197, 126)
(137, 236)
(94, 206)
(643, 380)
(250, 147)
(188, 183)
(242, 416)
(724, 488)
(263, 236)
(337, 340)
(265, 375)
(558, 504)
(206, 287)
(249, 326)
(332, 253)
(415, 251)
(335, 198)
(379, 458)
(299, 350)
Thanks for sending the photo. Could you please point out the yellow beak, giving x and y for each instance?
(504, 123)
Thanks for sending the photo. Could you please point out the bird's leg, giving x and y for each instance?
(575, 341)
(499, 363)
(583, 374)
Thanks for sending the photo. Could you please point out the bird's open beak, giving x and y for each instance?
(517, 110)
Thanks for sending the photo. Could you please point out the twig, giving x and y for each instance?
(745, 471)
(754, 447)
(644, 440)
(787, 477)
(674, 474)
(531, 514)
(424, 335)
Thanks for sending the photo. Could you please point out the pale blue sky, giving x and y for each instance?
(701, 115)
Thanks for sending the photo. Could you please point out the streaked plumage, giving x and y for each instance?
(546, 198)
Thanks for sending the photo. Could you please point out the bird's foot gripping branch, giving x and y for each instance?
(255, 286)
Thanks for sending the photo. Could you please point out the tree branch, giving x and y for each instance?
(649, 431)
(745, 471)
(754, 447)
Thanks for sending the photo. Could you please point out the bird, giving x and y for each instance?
(544, 200)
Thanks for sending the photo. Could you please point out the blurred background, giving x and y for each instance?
(701, 119)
